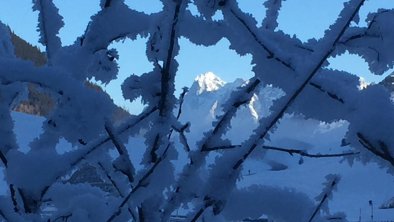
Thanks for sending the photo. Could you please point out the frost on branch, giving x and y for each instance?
(208, 8)
(270, 21)
(330, 185)
(147, 86)
(104, 66)
(372, 42)
(329, 90)
(49, 24)
(151, 173)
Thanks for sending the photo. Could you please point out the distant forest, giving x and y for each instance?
(39, 102)
(27, 51)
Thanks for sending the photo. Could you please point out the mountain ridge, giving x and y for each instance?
(209, 89)
(206, 82)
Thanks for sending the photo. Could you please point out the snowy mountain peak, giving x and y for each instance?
(207, 82)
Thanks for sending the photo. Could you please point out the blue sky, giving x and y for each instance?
(303, 18)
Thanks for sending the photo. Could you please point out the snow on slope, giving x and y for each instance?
(208, 82)
(202, 105)
(359, 184)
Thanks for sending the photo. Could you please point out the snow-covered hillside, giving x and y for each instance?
(359, 183)
(204, 102)
(356, 188)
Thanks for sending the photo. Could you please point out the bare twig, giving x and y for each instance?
(13, 198)
(326, 195)
(3, 216)
(195, 158)
(141, 183)
(128, 169)
(141, 215)
(365, 33)
(182, 130)
(110, 179)
(96, 144)
(181, 100)
(107, 3)
(225, 119)
(115, 185)
(26, 202)
(13, 190)
(3, 159)
(91, 147)
(198, 213)
(183, 138)
(167, 77)
(330, 94)
(63, 217)
(208, 202)
(306, 154)
(155, 147)
(289, 151)
(218, 148)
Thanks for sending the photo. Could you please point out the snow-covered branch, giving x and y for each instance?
(100, 32)
(142, 182)
(326, 47)
(371, 42)
(330, 186)
(383, 151)
(270, 21)
(330, 42)
(49, 24)
(166, 178)
(197, 158)
(123, 162)
(252, 31)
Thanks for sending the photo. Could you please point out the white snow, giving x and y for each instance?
(208, 82)
(293, 102)
(359, 184)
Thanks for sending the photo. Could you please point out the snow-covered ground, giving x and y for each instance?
(358, 185)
